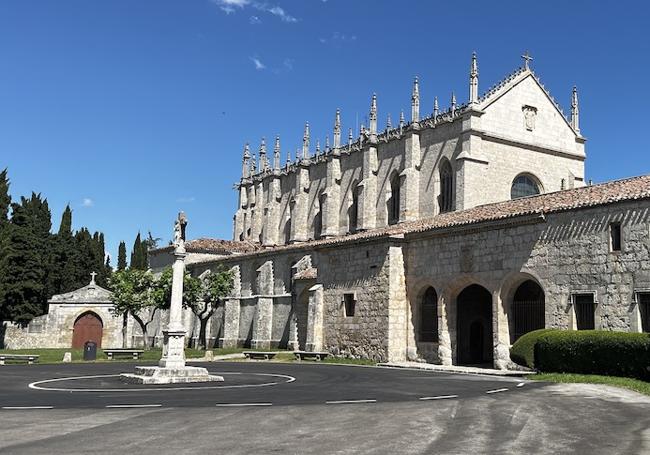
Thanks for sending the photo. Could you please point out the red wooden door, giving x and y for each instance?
(87, 327)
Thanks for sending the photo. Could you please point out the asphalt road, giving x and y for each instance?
(312, 408)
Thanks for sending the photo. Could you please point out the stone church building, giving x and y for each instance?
(442, 239)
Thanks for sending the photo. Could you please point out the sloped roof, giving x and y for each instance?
(92, 293)
(216, 246)
(629, 189)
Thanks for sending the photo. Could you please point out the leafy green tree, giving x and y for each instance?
(121, 256)
(215, 287)
(134, 294)
(151, 242)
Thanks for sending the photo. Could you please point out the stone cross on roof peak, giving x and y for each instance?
(527, 58)
(92, 278)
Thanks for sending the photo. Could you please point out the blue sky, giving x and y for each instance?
(130, 110)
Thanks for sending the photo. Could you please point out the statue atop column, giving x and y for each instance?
(179, 231)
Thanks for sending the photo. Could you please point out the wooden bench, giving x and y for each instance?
(134, 353)
(301, 355)
(29, 358)
(263, 355)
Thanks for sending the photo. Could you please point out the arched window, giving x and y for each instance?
(527, 309)
(446, 198)
(287, 231)
(524, 185)
(394, 201)
(429, 316)
(353, 211)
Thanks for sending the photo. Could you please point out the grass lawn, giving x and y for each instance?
(627, 383)
(56, 355)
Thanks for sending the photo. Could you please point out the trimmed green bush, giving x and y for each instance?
(594, 352)
(523, 351)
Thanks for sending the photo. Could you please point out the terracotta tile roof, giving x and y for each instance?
(588, 196)
(216, 246)
(634, 188)
(307, 274)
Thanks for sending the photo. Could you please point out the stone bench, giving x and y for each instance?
(301, 355)
(29, 358)
(133, 353)
(263, 355)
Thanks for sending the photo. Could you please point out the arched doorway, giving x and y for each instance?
(474, 326)
(87, 327)
(527, 309)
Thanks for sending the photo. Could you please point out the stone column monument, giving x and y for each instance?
(171, 368)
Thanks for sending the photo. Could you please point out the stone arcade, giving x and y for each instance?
(440, 240)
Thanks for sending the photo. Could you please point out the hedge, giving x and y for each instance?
(594, 352)
(522, 351)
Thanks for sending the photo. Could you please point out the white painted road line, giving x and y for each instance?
(233, 405)
(350, 401)
(134, 405)
(26, 407)
(521, 384)
(440, 397)
(497, 390)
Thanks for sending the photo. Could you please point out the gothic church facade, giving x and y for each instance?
(441, 240)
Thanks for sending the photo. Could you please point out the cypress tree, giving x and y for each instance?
(5, 198)
(121, 256)
(25, 257)
(65, 228)
(139, 254)
(5, 204)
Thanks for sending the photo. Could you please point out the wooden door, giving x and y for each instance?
(87, 327)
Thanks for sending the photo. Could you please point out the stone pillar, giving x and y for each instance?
(272, 218)
(301, 201)
(231, 311)
(332, 196)
(471, 163)
(445, 353)
(263, 322)
(500, 333)
(397, 302)
(367, 216)
(315, 319)
(174, 334)
(410, 203)
(258, 214)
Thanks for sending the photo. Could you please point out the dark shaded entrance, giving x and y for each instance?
(87, 327)
(527, 309)
(474, 326)
(302, 315)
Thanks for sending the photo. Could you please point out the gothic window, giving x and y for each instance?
(353, 211)
(429, 316)
(446, 187)
(585, 309)
(643, 300)
(524, 185)
(527, 309)
(287, 231)
(394, 201)
(318, 218)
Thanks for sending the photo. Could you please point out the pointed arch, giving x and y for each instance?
(446, 196)
(353, 210)
(394, 199)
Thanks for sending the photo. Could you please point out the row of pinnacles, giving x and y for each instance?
(454, 159)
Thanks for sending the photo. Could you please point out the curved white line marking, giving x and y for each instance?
(497, 390)
(37, 385)
(521, 384)
(439, 397)
(15, 408)
(350, 401)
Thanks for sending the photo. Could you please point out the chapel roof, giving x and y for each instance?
(216, 246)
(91, 293)
(630, 189)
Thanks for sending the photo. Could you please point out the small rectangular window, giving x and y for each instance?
(643, 300)
(349, 304)
(585, 309)
(615, 236)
